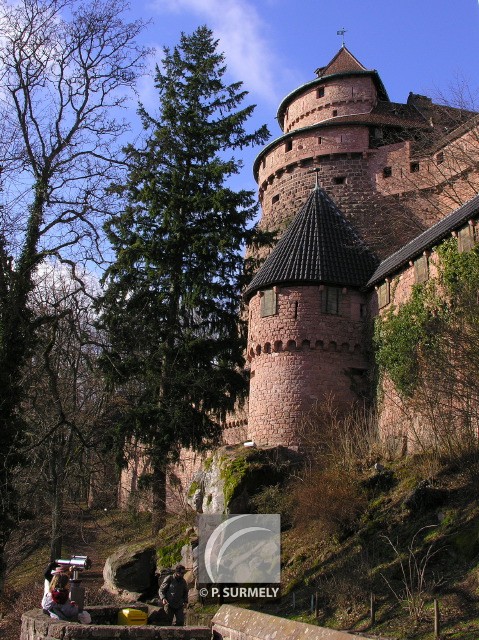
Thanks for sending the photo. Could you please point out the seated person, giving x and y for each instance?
(52, 569)
(56, 601)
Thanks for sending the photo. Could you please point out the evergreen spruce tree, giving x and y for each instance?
(172, 299)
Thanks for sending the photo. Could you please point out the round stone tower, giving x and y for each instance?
(306, 322)
(343, 124)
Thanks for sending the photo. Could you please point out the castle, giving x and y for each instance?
(361, 190)
(384, 173)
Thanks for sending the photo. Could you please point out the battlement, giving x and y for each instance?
(292, 345)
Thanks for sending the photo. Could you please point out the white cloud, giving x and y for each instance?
(241, 32)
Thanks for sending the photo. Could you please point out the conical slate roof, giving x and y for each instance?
(343, 62)
(319, 247)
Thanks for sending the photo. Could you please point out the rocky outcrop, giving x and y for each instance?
(130, 571)
(233, 474)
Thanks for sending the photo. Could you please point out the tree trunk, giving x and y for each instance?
(57, 528)
(158, 519)
(3, 568)
(56, 538)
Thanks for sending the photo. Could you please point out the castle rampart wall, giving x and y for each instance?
(436, 182)
(408, 425)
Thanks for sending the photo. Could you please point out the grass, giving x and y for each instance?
(343, 568)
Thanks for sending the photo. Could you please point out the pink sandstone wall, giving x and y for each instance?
(406, 426)
(443, 179)
(299, 356)
(397, 423)
(353, 95)
(388, 211)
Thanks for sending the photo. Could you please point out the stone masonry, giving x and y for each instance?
(298, 357)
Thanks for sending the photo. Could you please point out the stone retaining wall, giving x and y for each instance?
(36, 625)
(234, 623)
(229, 623)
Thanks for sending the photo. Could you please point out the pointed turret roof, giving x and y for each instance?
(319, 247)
(343, 62)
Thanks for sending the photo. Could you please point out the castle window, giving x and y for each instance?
(320, 140)
(440, 157)
(275, 198)
(465, 239)
(335, 113)
(288, 145)
(268, 303)
(330, 300)
(320, 92)
(414, 167)
(383, 294)
(421, 269)
(339, 180)
(387, 172)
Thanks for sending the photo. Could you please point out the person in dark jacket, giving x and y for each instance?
(174, 596)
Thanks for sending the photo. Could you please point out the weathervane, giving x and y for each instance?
(341, 33)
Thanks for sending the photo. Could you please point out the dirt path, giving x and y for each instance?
(94, 534)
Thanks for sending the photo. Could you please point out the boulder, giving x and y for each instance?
(130, 571)
(189, 559)
(233, 474)
(424, 497)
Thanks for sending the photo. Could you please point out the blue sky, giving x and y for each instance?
(274, 46)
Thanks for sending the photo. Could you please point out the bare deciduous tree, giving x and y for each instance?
(66, 409)
(66, 67)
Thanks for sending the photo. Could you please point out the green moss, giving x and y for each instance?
(207, 464)
(232, 474)
(466, 542)
(402, 335)
(194, 486)
(170, 554)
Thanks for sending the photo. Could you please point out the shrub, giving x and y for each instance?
(274, 499)
(331, 496)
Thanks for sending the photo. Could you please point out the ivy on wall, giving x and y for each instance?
(441, 310)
